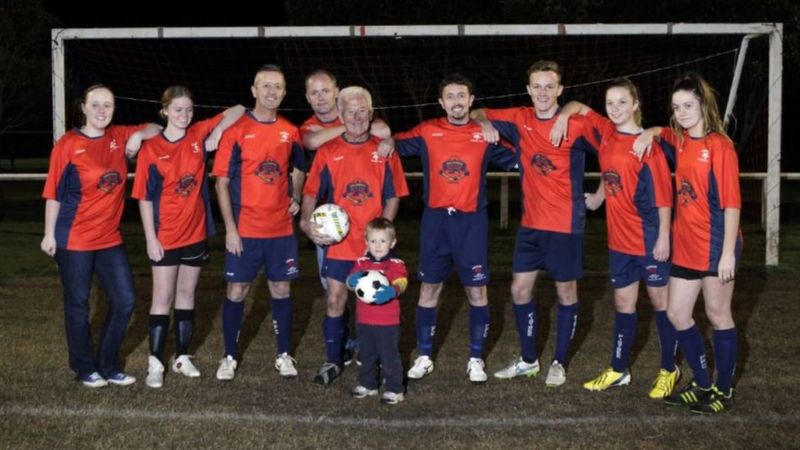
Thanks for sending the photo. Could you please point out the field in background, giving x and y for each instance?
(41, 406)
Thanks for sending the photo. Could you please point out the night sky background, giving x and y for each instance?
(29, 22)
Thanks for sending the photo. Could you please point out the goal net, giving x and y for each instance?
(402, 67)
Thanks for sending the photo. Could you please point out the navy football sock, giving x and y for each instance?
(232, 313)
(526, 320)
(691, 343)
(282, 323)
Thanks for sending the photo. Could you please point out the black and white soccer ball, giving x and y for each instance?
(368, 285)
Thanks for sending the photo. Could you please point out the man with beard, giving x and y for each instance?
(455, 226)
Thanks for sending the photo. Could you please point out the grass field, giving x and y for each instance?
(42, 407)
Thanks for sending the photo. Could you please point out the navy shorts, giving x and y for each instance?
(560, 254)
(336, 269)
(277, 255)
(193, 255)
(449, 237)
(627, 269)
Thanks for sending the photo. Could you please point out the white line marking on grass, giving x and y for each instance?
(416, 422)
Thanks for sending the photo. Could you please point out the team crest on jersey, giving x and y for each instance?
(542, 164)
(375, 157)
(477, 273)
(195, 147)
(109, 180)
(686, 193)
(357, 191)
(477, 137)
(652, 273)
(454, 170)
(291, 266)
(705, 155)
(284, 136)
(269, 171)
(186, 185)
(612, 182)
(113, 145)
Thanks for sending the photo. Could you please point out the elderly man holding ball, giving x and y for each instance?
(348, 172)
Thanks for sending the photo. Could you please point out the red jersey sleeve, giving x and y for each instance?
(599, 128)
(312, 184)
(59, 158)
(662, 179)
(142, 173)
(398, 176)
(222, 159)
(725, 165)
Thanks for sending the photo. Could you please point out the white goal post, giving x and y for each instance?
(774, 31)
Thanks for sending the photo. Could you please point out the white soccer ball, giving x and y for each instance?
(334, 220)
(368, 284)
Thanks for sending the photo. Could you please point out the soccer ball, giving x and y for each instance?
(334, 220)
(368, 284)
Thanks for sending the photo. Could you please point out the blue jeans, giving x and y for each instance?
(114, 273)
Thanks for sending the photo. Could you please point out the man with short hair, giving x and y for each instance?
(347, 171)
(551, 231)
(260, 168)
(455, 225)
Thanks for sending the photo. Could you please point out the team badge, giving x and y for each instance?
(542, 164)
(652, 273)
(454, 169)
(284, 136)
(195, 147)
(477, 137)
(109, 180)
(113, 145)
(186, 185)
(477, 273)
(269, 171)
(705, 155)
(357, 191)
(686, 193)
(612, 182)
(291, 266)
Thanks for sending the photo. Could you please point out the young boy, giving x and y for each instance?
(379, 322)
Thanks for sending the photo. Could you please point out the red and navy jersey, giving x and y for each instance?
(706, 182)
(258, 158)
(551, 177)
(315, 121)
(387, 313)
(87, 176)
(173, 176)
(354, 177)
(634, 189)
(455, 159)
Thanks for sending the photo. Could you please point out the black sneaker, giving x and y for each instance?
(327, 373)
(716, 403)
(691, 394)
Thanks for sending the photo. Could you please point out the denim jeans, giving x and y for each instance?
(115, 277)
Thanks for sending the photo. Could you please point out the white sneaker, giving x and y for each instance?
(284, 364)
(155, 372)
(475, 370)
(227, 368)
(556, 376)
(392, 398)
(183, 365)
(518, 368)
(423, 365)
(361, 392)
